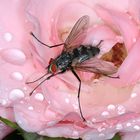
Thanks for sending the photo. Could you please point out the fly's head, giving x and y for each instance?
(52, 68)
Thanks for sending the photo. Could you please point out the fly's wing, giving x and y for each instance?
(77, 34)
(96, 65)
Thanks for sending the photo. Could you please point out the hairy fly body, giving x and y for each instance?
(67, 59)
(76, 56)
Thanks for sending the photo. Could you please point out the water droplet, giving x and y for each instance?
(19, 122)
(25, 88)
(105, 113)
(111, 107)
(101, 135)
(17, 76)
(39, 96)
(67, 100)
(8, 37)
(93, 120)
(133, 121)
(119, 126)
(13, 56)
(121, 110)
(16, 94)
(136, 127)
(52, 19)
(133, 95)
(134, 40)
(75, 106)
(128, 124)
(49, 102)
(3, 102)
(30, 108)
(100, 129)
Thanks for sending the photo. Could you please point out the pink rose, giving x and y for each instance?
(109, 105)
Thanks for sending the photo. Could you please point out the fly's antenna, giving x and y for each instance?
(30, 82)
(37, 86)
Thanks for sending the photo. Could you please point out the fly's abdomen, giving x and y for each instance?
(85, 52)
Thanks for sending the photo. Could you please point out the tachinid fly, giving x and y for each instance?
(75, 56)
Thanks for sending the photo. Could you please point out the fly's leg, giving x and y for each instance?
(44, 43)
(99, 43)
(52, 75)
(78, 96)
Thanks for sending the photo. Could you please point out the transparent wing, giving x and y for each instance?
(77, 34)
(96, 65)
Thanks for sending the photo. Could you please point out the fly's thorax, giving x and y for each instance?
(64, 61)
(95, 50)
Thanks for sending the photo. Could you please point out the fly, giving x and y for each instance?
(76, 56)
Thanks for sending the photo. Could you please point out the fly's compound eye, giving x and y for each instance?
(53, 68)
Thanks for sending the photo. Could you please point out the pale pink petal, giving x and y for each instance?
(53, 108)
(131, 136)
(126, 25)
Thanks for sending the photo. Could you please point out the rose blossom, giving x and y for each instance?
(109, 105)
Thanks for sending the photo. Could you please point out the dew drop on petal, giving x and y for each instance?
(119, 126)
(111, 107)
(101, 135)
(16, 94)
(39, 97)
(52, 19)
(21, 102)
(121, 109)
(134, 40)
(93, 120)
(75, 106)
(67, 100)
(13, 56)
(8, 36)
(3, 102)
(133, 95)
(19, 122)
(17, 76)
(30, 108)
(136, 127)
(133, 121)
(105, 113)
(100, 129)
(128, 124)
